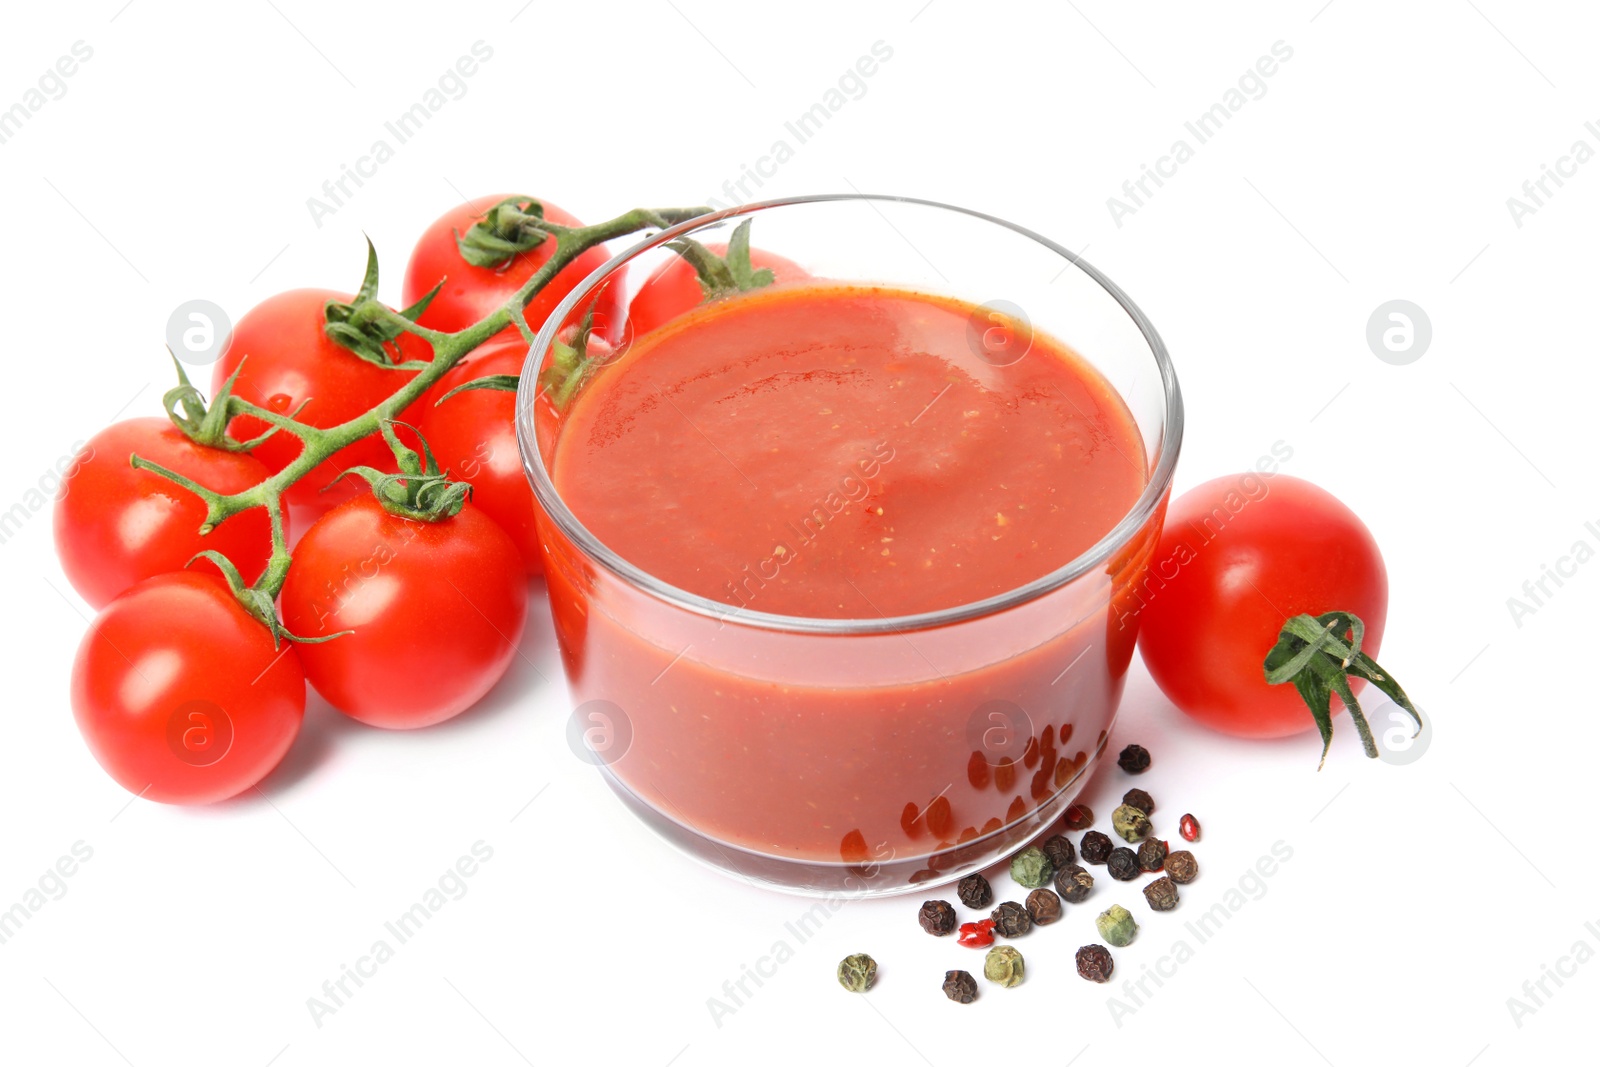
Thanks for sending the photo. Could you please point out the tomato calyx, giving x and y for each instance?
(421, 490)
(570, 361)
(513, 226)
(1312, 654)
(724, 276)
(371, 329)
(207, 424)
(258, 602)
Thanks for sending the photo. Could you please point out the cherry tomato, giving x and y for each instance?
(436, 610)
(474, 437)
(1238, 556)
(292, 361)
(471, 293)
(180, 693)
(674, 288)
(115, 526)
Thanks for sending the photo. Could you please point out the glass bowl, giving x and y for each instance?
(862, 756)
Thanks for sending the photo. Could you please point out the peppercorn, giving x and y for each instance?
(1152, 854)
(1189, 827)
(858, 972)
(1074, 884)
(1138, 798)
(1181, 867)
(960, 987)
(1059, 851)
(1003, 965)
(1044, 907)
(1031, 868)
(1094, 963)
(1011, 919)
(1095, 847)
(1129, 822)
(1116, 925)
(974, 891)
(976, 935)
(1123, 864)
(1080, 817)
(937, 917)
(1162, 894)
(1134, 759)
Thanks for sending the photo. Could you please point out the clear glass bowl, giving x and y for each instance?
(768, 745)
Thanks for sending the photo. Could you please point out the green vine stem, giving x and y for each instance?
(368, 315)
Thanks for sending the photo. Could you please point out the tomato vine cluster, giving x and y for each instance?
(393, 432)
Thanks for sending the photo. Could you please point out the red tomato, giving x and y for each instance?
(180, 693)
(674, 288)
(115, 526)
(474, 437)
(436, 610)
(292, 361)
(471, 294)
(1238, 557)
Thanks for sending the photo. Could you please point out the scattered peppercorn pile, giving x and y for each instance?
(1054, 862)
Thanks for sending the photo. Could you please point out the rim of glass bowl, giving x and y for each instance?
(550, 499)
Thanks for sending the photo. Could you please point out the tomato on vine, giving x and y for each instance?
(429, 594)
(700, 273)
(484, 251)
(181, 693)
(116, 525)
(289, 362)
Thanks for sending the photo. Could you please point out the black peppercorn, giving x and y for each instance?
(1074, 884)
(960, 987)
(974, 891)
(1059, 851)
(1123, 864)
(1094, 963)
(1181, 867)
(1152, 854)
(1162, 894)
(1044, 907)
(1134, 760)
(937, 917)
(1095, 847)
(1011, 919)
(1138, 798)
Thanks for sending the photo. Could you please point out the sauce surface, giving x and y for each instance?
(841, 451)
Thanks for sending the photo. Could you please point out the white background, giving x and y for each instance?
(1376, 166)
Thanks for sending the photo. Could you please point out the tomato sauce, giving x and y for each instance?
(837, 451)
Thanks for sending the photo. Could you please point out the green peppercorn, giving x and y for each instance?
(1031, 868)
(1059, 851)
(858, 972)
(1116, 925)
(1003, 965)
(960, 987)
(1074, 884)
(1181, 867)
(1162, 894)
(1044, 907)
(1129, 822)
